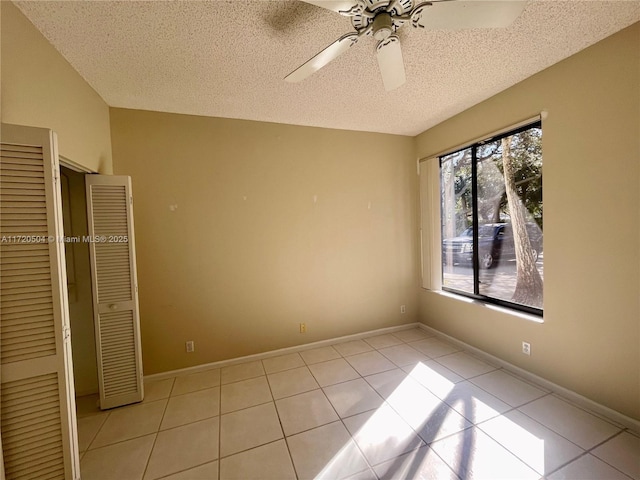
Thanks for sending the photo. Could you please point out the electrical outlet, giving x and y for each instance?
(526, 348)
(403, 309)
(303, 328)
(190, 346)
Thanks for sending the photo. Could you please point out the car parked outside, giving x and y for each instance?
(495, 241)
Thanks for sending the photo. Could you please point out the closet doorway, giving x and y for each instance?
(83, 343)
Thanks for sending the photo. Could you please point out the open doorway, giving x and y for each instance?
(74, 214)
(102, 289)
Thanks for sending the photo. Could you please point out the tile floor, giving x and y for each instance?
(402, 405)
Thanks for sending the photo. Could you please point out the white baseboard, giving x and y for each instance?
(579, 400)
(282, 351)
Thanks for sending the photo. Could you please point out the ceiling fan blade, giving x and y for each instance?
(344, 7)
(327, 55)
(390, 61)
(457, 15)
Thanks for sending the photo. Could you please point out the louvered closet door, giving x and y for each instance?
(115, 296)
(37, 405)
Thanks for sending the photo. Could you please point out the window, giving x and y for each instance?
(491, 212)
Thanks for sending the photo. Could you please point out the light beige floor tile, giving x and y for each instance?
(355, 396)
(422, 463)
(184, 447)
(249, 428)
(622, 452)
(508, 388)
(534, 444)
(87, 405)
(242, 371)
(246, 393)
(382, 435)
(318, 355)
(474, 403)
(283, 362)
(157, 389)
(334, 454)
(333, 371)
(88, 428)
(292, 382)
(435, 377)
(474, 455)
(424, 412)
(382, 341)
(116, 462)
(403, 355)
(267, 462)
(588, 467)
(208, 471)
(129, 422)
(571, 422)
(412, 335)
(385, 383)
(369, 363)
(191, 407)
(353, 348)
(196, 381)
(305, 411)
(465, 365)
(433, 347)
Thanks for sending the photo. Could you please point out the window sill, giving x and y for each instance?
(503, 310)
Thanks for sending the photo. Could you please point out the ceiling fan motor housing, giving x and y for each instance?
(373, 9)
(382, 26)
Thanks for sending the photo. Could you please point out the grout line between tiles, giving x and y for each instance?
(284, 437)
(514, 376)
(585, 450)
(242, 380)
(602, 443)
(584, 454)
(591, 412)
(245, 408)
(187, 469)
(341, 420)
(255, 447)
(108, 414)
(590, 451)
(156, 437)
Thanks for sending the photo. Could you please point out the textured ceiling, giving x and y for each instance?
(229, 58)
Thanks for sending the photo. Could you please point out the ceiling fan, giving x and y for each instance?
(383, 18)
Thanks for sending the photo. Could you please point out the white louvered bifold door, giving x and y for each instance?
(37, 404)
(115, 292)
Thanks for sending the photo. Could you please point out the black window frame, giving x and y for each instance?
(476, 295)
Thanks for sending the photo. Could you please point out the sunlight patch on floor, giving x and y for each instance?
(387, 436)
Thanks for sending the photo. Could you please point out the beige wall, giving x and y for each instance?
(40, 89)
(590, 339)
(247, 254)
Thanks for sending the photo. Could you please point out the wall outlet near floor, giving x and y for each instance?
(303, 328)
(526, 348)
(403, 309)
(190, 346)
